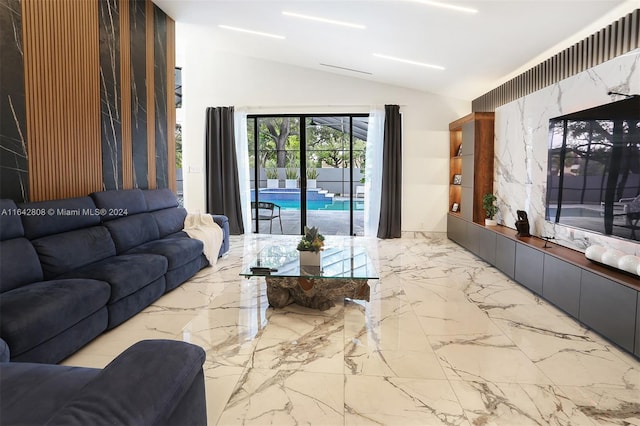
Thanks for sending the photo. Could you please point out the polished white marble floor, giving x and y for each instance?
(446, 339)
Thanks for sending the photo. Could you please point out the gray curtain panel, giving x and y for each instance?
(223, 189)
(391, 195)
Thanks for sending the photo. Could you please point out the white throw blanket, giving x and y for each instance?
(202, 227)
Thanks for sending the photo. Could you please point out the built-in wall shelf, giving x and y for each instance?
(471, 141)
(606, 300)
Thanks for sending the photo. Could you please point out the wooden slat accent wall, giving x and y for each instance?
(616, 39)
(151, 110)
(125, 79)
(171, 102)
(62, 88)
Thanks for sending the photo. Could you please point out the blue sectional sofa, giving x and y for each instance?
(71, 269)
(154, 382)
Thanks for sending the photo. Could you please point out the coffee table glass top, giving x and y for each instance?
(338, 262)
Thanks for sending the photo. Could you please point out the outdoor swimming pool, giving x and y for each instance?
(317, 205)
(289, 199)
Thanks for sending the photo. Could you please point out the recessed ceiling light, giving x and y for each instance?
(447, 6)
(243, 30)
(408, 61)
(325, 20)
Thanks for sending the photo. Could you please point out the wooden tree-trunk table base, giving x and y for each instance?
(316, 293)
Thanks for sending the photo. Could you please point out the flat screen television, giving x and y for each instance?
(593, 178)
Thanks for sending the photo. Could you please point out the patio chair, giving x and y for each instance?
(631, 212)
(266, 211)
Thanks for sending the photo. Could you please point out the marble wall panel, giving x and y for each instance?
(110, 94)
(160, 85)
(139, 94)
(14, 167)
(521, 140)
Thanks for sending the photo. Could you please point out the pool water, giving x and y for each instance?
(289, 199)
(317, 205)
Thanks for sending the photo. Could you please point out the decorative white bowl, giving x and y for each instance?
(611, 257)
(630, 263)
(595, 253)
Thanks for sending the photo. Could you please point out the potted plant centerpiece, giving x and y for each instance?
(272, 176)
(310, 245)
(490, 209)
(312, 176)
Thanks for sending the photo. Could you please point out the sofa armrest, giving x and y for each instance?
(145, 385)
(223, 222)
(5, 355)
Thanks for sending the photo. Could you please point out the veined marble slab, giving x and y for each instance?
(521, 140)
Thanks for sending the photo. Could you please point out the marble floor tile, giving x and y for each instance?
(606, 406)
(441, 319)
(282, 397)
(308, 342)
(564, 350)
(486, 358)
(444, 339)
(391, 325)
(408, 364)
(400, 401)
(219, 383)
(509, 404)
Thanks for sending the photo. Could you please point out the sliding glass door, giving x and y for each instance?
(309, 175)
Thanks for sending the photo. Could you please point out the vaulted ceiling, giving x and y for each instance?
(472, 51)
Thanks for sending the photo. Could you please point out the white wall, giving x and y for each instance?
(214, 78)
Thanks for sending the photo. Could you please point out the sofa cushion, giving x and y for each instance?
(179, 234)
(178, 251)
(117, 204)
(19, 264)
(158, 199)
(60, 346)
(32, 393)
(170, 220)
(126, 274)
(56, 216)
(34, 313)
(10, 223)
(132, 231)
(67, 251)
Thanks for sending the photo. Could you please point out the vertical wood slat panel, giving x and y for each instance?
(614, 40)
(634, 30)
(151, 110)
(171, 103)
(62, 87)
(125, 84)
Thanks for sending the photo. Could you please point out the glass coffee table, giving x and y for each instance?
(344, 272)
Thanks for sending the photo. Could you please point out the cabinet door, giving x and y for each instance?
(505, 255)
(456, 229)
(609, 308)
(529, 267)
(561, 285)
(468, 138)
(637, 351)
(466, 203)
(467, 171)
(487, 245)
(472, 239)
